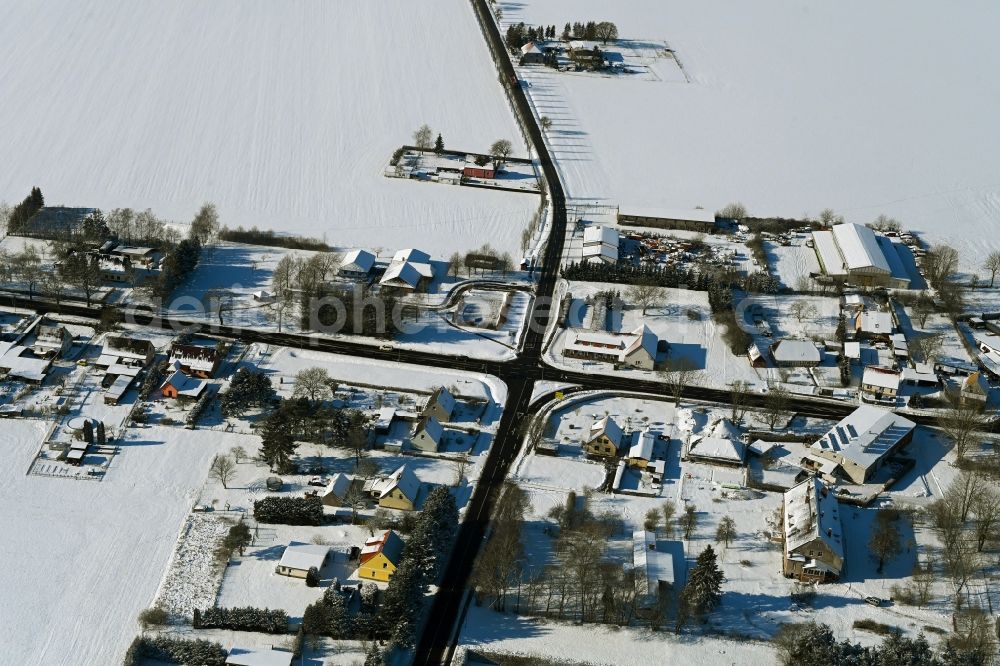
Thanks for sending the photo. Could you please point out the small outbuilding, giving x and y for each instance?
(299, 558)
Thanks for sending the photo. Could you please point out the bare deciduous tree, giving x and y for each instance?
(646, 294)
(884, 542)
(802, 309)
(607, 31)
(314, 383)
(926, 347)
(223, 469)
(776, 406)
(678, 374)
(992, 264)
(546, 123)
(940, 264)
(205, 225)
(423, 137)
(959, 423)
(500, 151)
(689, 520)
(725, 533)
(739, 393)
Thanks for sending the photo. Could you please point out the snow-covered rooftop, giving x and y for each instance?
(688, 215)
(653, 565)
(865, 435)
(600, 235)
(358, 261)
(810, 512)
(859, 248)
(796, 351)
(247, 656)
(303, 556)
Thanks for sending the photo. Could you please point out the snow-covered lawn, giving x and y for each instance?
(92, 553)
(859, 119)
(284, 115)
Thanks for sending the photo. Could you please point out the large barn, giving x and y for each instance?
(854, 254)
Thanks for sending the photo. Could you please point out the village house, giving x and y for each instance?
(812, 533)
(532, 54)
(380, 556)
(604, 439)
(874, 326)
(258, 656)
(441, 405)
(180, 386)
(123, 350)
(880, 384)
(336, 490)
(756, 356)
(484, 171)
(196, 360)
(974, 390)
(861, 443)
(19, 362)
(299, 558)
(716, 450)
(399, 490)
(427, 435)
(52, 341)
(357, 265)
(637, 349)
(791, 353)
(641, 451)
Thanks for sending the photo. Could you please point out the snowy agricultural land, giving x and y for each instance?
(284, 115)
(790, 108)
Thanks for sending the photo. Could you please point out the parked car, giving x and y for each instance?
(873, 601)
(317, 481)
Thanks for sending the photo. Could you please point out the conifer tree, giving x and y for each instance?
(703, 591)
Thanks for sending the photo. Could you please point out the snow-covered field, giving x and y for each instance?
(284, 115)
(791, 108)
(83, 558)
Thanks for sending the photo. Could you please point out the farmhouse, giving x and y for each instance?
(531, 54)
(335, 491)
(427, 435)
(399, 490)
(813, 539)
(879, 384)
(380, 556)
(299, 558)
(974, 390)
(696, 220)
(654, 569)
(196, 360)
(604, 438)
(853, 254)
(409, 270)
(790, 353)
(601, 244)
(123, 350)
(862, 441)
(636, 349)
(357, 265)
(441, 405)
(246, 656)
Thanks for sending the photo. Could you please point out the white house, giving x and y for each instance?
(601, 243)
(409, 269)
(298, 558)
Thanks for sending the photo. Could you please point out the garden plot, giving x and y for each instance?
(300, 156)
(250, 579)
(792, 264)
(684, 320)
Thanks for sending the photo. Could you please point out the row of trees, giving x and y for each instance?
(279, 510)
(811, 644)
(243, 618)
